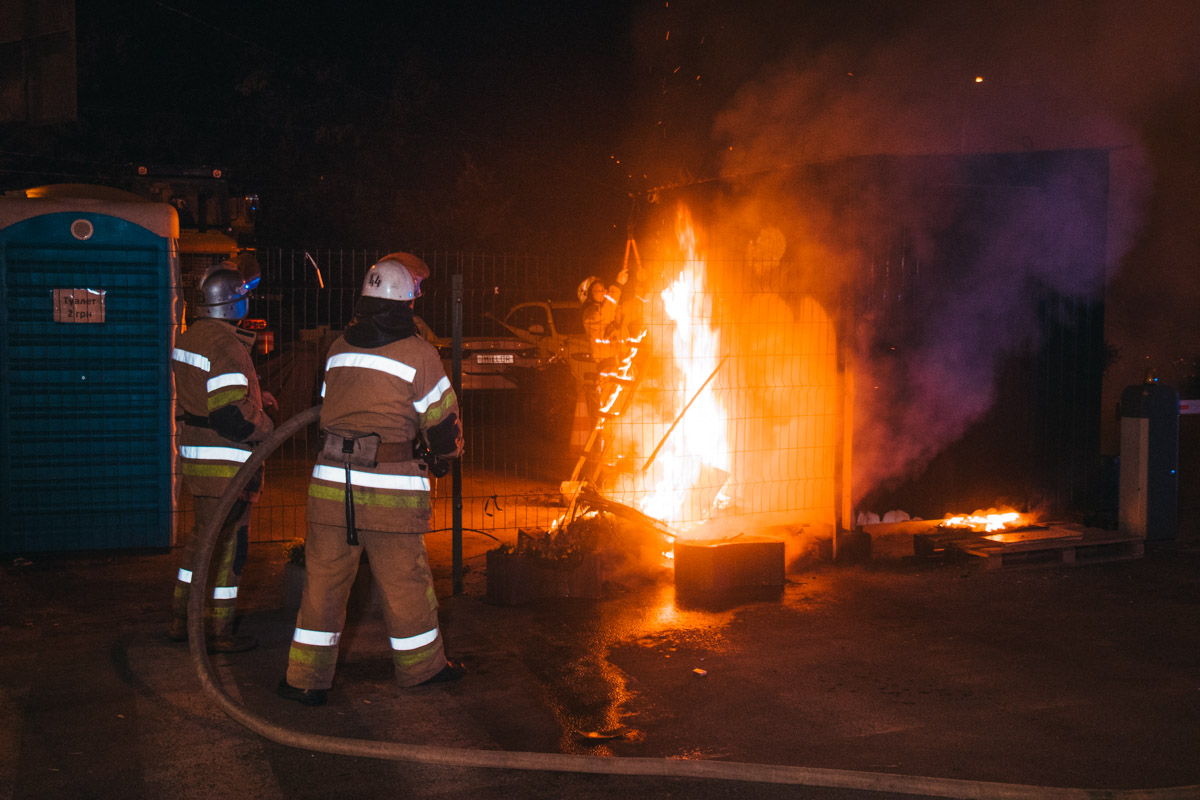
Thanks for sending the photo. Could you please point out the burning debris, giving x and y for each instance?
(985, 522)
(713, 430)
(601, 540)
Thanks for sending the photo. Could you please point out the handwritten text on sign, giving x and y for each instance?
(79, 305)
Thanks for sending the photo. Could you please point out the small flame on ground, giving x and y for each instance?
(989, 522)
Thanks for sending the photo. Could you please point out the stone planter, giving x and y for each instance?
(514, 579)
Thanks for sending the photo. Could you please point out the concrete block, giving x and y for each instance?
(746, 562)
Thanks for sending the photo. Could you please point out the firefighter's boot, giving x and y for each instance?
(450, 672)
(306, 697)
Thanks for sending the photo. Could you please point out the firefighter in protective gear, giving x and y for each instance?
(386, 397)
(220, 411)
(584, 289)
(602, 317)
(599, 323)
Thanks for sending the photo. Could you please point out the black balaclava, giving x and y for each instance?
(378, 322)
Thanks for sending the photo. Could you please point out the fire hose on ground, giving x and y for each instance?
(560, 762)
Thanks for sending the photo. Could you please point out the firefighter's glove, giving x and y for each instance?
(439, 467)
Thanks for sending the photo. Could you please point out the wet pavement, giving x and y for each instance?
(1063, 677)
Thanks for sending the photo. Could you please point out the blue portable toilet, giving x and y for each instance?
(88, 312)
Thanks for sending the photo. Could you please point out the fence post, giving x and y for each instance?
(843, 449)
(456, 300)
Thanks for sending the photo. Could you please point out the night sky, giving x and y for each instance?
(455, 125)
(468, 123)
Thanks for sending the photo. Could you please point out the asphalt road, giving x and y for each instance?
(1082, 677)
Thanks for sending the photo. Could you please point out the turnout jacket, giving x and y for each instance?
(600, 323)
(399, 391)
(218, 404)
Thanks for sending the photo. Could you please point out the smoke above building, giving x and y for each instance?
(924, 99)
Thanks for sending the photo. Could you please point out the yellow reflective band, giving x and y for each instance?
(225, 398)
(193, 359)
(434, 395)
(369, 497)
(367, 361)
(440, 411)
(325, 657)
(406, 659)
(209, 470)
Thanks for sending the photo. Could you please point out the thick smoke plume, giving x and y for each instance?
(960, 79)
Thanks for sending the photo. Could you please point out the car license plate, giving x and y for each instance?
(496, 358)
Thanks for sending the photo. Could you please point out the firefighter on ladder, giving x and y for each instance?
(390, 420)
(220, 409)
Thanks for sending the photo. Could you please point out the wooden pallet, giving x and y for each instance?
(1060, 546)
(945, 542)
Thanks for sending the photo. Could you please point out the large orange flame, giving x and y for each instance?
(700, 438)
(734, 423)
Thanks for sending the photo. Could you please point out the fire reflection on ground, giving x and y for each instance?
(589, 696)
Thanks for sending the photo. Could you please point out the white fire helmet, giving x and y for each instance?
(584, 290)
(396, 276)
(224, 293)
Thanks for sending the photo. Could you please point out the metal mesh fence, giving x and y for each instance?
(693, 404)
(700, 392)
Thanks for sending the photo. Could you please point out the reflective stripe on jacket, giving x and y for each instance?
(398, 391)
(213, 370)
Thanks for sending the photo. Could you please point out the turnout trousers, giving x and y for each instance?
(225, 570)
(400, 570)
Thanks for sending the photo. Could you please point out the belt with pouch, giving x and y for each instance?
(358, 449)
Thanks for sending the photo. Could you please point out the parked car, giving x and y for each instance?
(496, 360)
(556, 328)
(264, 342)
